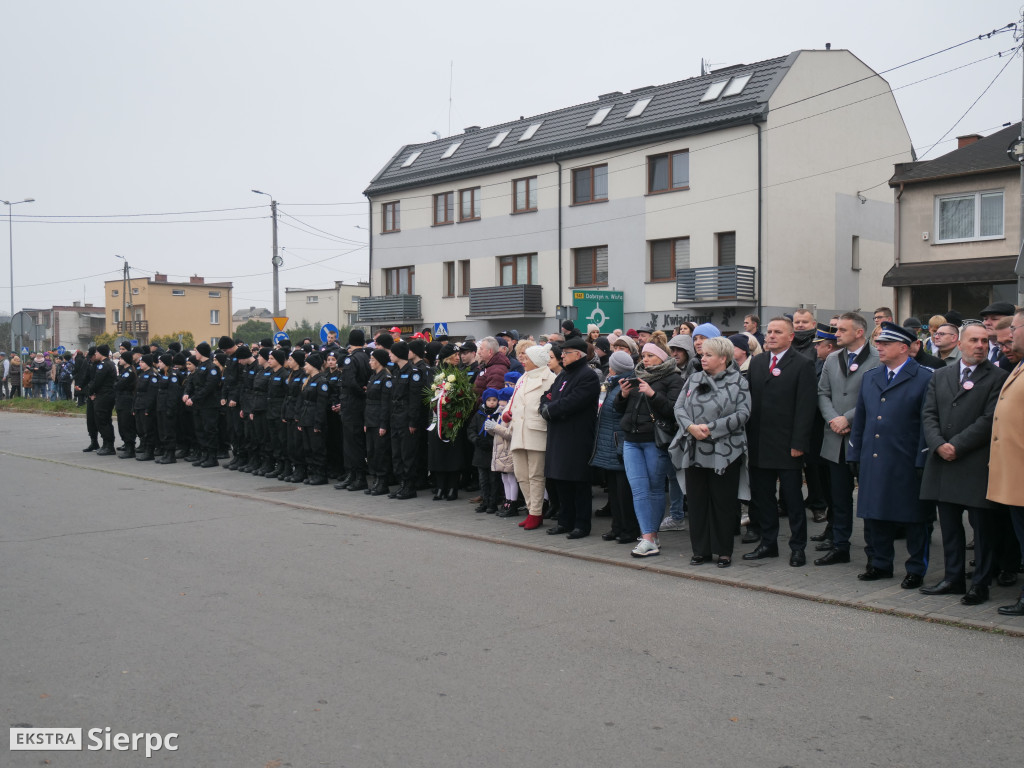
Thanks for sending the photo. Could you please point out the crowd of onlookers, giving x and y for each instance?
(40, 375)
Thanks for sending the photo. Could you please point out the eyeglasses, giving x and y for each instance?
(1004, 344)
(1014, 328)
(944, 333)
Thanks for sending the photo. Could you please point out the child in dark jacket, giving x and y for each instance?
(483, 443)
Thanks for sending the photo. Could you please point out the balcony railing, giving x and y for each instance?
(132, 326)
(386, 309)
(735, 283)
(506, 300)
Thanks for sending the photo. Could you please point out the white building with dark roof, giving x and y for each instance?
(756, 188)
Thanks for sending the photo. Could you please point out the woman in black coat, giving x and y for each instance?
(447, 460)
(570, 408)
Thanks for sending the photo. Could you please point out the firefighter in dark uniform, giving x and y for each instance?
(229, 429)
(168, 405)
(82, 390)
(101, 392)
(297, 365)
(355, 375)
(378, 419)
(258, 418)
(332, 435)
(403, 428)
(145, 407)
(239, 407)
(313, 409)
(205, 398)
(277, 392)
(124, 400)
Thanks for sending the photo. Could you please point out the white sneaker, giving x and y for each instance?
(645, 549)
(671, 524)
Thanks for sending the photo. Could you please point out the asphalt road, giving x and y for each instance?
(268, 636)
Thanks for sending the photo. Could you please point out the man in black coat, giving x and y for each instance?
(784, 399)
(101, 392)
(957, 418)
(570, 408)
(355, 373)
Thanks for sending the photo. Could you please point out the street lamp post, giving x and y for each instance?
(10, 244)
(276, 259)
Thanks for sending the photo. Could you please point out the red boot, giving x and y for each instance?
(532, 521)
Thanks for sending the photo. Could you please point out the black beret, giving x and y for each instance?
(299, 357)
(381, 356)
(179, 359)
(999, 308)
(220, 357)
(243, 353)
(104, 350)
(577, 343)
(266, 343)
(418, 347)
(280, 355)
(226, 342)
(167, 360)
(264, 353)
(203, 349)
(174, 347)
(400, 349)
(385, 340)
(316, 360)
(356, 337)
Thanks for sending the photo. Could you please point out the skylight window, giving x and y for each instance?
(451, 150)
(714, 91)
(599, 116)
(412, 158)
(737, 84)
(528, 133)
(639, 107)
(496, 141)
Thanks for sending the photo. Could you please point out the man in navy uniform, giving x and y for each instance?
(887, 451)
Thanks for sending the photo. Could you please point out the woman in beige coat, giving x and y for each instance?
(529, 431)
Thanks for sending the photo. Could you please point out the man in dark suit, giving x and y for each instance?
(990, 317)
(783, 395)
(887, 450)
(958, 412)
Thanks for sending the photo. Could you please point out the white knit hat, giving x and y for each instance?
(539, 354)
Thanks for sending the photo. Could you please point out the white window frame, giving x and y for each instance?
(977, 216)
(312, 299)
(214, 317)
(177, 292)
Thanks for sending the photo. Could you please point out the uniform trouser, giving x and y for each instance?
(576, 504)
(90, 418)
(313, 449)
(237, 425)
(187, 429)
(333, 445)
(126, 425)
(278, 438)
(987, 530)
(403, 452)
(296, 447)
(223, 442)
(880, 535)
(762, 499)
(355, 441)
(261, 447)
(145, 425)
(167, 428)
(841, 510)
(104, 405)
(714, 508)
(208, 429)
(378, 452)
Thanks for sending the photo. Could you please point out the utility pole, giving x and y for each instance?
(1019, 36)
(275, 259)
(10, 244)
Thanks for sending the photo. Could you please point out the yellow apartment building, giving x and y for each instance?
(142, 307)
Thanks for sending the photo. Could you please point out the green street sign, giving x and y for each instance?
(600, 308)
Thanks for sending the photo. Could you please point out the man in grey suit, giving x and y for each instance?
(957, 417)
(838, 388)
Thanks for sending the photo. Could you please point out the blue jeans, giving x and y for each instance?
(647, 469)
(675, 498)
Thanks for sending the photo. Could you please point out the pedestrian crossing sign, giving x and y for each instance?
(440, 329)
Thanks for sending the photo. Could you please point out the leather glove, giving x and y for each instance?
(854, 468)
(544, 412)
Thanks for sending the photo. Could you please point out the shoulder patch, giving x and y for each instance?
(174, 379)
(415, 377)
(388, 383)
(323, 387)
(348, 360)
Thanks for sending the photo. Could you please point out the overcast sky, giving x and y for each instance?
(126, 107)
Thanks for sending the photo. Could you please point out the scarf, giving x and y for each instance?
(659, 371)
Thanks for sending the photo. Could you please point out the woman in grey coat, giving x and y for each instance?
(712, 411)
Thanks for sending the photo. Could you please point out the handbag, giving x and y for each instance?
(664, 432)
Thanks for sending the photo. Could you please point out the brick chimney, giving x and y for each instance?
(159, 278)
(970, 138)
(195, 280)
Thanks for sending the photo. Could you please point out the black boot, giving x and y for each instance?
(285, 472)
(407, 491)
(298, 475)
(453, 494)
(106, 450)
(318, 480)
(359, 484)
(439, 493)
(210, 461)
(380, 488)
(343, 483)
(93, 446)
(129, 452)
(146, 455)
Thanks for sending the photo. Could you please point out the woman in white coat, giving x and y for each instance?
(529, 431)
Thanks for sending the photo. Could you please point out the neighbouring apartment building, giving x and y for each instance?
(338, 304)
(756, 188)
(141, 308)
(957, 228)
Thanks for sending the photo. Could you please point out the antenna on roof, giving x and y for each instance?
(437, 135)
(451, 79)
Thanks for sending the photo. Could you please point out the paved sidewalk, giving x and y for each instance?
(58, 441)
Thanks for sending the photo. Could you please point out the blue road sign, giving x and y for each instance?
(24, 350)
(440, 329)
(331, 327)
(280, 336)
(133, 342)
(61, 349)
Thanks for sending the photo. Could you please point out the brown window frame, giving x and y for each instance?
(673, 259)
(389, 271)
(448, 280)
(531, 183)
(474, 204)
(513, 259)
(591, 169)
(650, 172)
(396, 217)
(449, 208)
(593, 249)
(464, 277)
